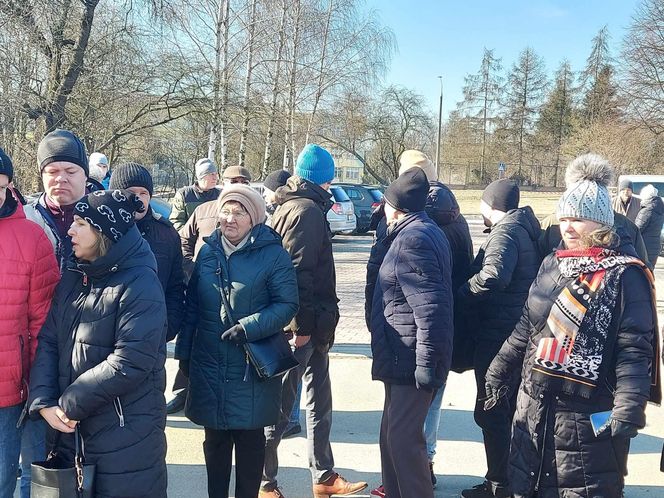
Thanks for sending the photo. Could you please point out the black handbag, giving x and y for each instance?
(271, 356)
(56, 478)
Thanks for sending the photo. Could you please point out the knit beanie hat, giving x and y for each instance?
(62, 145)
(276, 179)
(98, 158)
(625, 183)
(408, 193)
(502, 195)
(111, 212)
(235, 171)
(251, 200)
(204, 167)
(131, 175)
(587, 196)
(648, 192)
(315, 164)
(416, 159)
(6, 166)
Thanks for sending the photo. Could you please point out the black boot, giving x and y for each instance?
(176, 404)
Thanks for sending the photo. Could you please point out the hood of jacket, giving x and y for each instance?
(131, 251)
(11, 208)
(524, 217)
(442, 206)
(298, 188)
(655, 203)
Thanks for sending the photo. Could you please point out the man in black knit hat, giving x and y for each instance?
(411, 327)
(162, 237)
(493, 298)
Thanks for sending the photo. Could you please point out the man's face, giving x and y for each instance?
(208, 182)
(626, 194)
(103, 167)
(144, 196)
(64, 182)
(4, 189)
(236, 179)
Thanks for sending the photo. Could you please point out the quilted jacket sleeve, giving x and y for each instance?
(43, 279)
(178, 216)
(500, 258)
(186, 336)
(188, 237)
(174, 291)
(139, 336)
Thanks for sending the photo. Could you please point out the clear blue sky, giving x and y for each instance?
(447, 37)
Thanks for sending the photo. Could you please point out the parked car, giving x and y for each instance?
(640, 181)
(365, 199)
(341, 216)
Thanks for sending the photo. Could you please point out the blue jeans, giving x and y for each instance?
(294, 418)
(26, 442)
(431, 423)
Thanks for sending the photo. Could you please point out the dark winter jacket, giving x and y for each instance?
(300, 219)
(650, 220)
(186, 200)
(503, 270)
(551, 427)
(165, 244)
(443, 208)
(412, 317)
(259, 281)
(628, 232)
(101, 359)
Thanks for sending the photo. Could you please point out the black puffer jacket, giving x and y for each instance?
(300, 220)
(650, 221)
(165, 244)
(101, 359)
(411, 323)
(551, 427)
(443, 208)
(503, 270)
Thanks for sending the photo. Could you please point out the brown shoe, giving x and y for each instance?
(275, 493)
(337, 486)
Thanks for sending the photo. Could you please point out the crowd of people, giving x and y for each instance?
(94, 282)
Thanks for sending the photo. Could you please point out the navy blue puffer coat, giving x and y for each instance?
(412, 317)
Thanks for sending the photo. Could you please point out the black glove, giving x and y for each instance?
(494, 394)
(184, 367)
(425, 379)
(623, 429)
(235, 334)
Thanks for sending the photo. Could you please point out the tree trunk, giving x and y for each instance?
(247, 85)
(289, 146)
(221, 34)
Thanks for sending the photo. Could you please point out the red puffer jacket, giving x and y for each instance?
(28, 276)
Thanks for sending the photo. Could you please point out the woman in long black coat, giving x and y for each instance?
(100, 359)
(650, 220)
(586, 345)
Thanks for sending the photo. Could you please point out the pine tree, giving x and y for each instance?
(600, 102)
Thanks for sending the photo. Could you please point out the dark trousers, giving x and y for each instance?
(249, 455)
(403, 450)
(496, 424)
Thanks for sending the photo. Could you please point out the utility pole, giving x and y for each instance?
(440, 122)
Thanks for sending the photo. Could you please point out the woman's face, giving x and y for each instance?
(573, 230)
(83, 239)
(234, 221)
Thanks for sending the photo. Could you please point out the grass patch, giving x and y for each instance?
(543, 203)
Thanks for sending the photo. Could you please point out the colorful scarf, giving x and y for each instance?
(578, 337)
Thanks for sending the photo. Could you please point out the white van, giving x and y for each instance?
(640, 181)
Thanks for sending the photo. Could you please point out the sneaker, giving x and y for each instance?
(379, 492)
(338, 486)
(484, 491)
(433, 476)
(275, 493)
(293, 430)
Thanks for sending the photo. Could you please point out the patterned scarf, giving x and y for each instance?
(578, 337)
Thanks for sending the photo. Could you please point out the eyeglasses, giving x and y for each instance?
(225, 213)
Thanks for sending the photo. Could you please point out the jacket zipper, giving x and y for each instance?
(25, 389)
(21, 341)
(118, 410)
(541, 464)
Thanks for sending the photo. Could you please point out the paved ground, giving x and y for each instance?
(357, 410)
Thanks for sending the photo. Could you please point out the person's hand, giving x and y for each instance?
(623, 429)
(57, 419)
(494, 394)
(297, 341)
(184, 367)
(235, 334)
(425, 379)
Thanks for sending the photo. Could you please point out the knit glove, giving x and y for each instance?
(425, 379)
(235, 334)
(184, 367)
(623, 429)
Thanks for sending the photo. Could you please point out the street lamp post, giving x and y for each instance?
(440, 121)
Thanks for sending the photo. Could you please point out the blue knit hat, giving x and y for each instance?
(315, 164)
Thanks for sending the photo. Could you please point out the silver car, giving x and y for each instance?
(341, 215)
